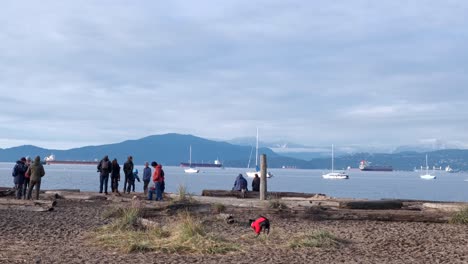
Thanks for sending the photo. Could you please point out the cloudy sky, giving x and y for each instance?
(75, 73)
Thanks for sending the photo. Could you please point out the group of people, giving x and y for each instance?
(27, 175)
(241, 184)
(107, 168)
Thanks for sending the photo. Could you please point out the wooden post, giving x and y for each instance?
(263, 177)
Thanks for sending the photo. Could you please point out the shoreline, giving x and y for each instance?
(63, 234)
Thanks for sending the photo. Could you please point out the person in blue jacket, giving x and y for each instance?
(146, 177)
(240, 183)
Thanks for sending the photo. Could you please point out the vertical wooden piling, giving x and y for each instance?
(263, 177)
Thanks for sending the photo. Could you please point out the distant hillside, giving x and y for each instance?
(171, 149)
(168, 149)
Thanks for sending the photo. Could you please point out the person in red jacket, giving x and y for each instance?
(261, 223)
(158, 179)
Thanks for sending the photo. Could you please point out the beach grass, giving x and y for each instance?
(186, 234)
(460, 217)
(320, 238)
(218, 207)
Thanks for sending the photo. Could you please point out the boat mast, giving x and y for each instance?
(427, 167)
(190, 160)
(256, 152)
(333, 158)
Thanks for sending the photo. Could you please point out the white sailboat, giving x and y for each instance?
(251, 174)
(335, 175)
(190, 169)
(427, 176)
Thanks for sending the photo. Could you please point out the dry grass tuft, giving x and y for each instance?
(460, 217)
(322, 239)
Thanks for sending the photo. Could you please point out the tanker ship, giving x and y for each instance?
(51, 160)
(365, 166)
(216, 164)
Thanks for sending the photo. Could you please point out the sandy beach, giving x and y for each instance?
(63, 236)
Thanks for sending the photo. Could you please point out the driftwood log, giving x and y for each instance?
(319, 214)
(28, 205)
(5, 191)
(372, 205)
(249, 194)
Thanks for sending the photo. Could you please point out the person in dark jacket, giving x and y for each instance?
(37, 172)
(104, 167)
(128, 171)
(240, 183)
(27, 177)
(146, 177)
(18, 172)
(256, 183)
(115, 176)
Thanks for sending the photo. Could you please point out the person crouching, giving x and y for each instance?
(261, 223)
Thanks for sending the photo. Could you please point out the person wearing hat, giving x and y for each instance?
(37, 172)
(18, 173)
(240, 183)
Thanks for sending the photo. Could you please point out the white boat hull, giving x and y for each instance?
(428, 177)
(335, 176)
(251, 174)
(191, 170)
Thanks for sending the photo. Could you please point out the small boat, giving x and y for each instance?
(335, 175)
(191, 169)
(450, 169)
(427, 176)
(251, 174)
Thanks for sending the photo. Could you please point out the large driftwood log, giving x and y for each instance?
(5, 191)
(345, 214)
(28, 205)
(372, 205)
(238, 194)
(28, 202)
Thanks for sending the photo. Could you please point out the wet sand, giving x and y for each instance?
(62, 236)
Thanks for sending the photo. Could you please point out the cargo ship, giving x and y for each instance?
(215, 164)
(51, 160)
(365, 166)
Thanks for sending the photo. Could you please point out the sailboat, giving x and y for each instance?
(190, 169)
(427, 176)
(335, 175)
(257, 169)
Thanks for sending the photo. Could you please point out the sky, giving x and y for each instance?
(377, 73)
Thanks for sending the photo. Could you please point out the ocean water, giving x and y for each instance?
(370, 185)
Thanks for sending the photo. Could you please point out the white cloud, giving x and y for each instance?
(353, 72)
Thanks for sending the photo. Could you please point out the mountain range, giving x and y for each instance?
(171, 149)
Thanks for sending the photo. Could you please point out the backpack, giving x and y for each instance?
(104, 165)
(15, 171)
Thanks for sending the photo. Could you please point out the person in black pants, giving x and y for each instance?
(128, 171)
(115, 176)
(104, 167)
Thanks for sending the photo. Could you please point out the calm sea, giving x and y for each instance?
(371, 185)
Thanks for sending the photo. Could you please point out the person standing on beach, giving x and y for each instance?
(146, 177)
(135, 177)
(37, 172)
(27, 177)
(256, 183)
(128, 171)
(115, 176)
(158, 179)
(104, 167)
(18, 172)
